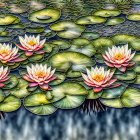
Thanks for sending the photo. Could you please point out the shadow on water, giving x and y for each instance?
(114, 124)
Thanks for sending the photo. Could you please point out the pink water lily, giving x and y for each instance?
(3, 75)
(9, 54)
(98, 78)
(31, 44)
(39, 75)
(119, 57)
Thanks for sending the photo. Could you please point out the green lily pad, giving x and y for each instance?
(36, 57)
(116, 103)
(137, 68)
(14, 8)
(63, 61)
(137, 79)
(10, 103)
(90, 20)
(1, 95)
(2, 28)
(67, 29)
(113, 92)
(4, 33)
(115, 21)
(128, 75)
(136, 44)
(35, 29)
(131, 97)
(60, 77)
(47, 15)
(21, 89)
(102, 43)
(83, 46)
(12, 82)
(8, 19)
(90, 35)
(68, 95)
(61, 43)
(36, 5)
(134, 17)
(136, 58)
(107, 13)
(71, 73)
(93, 95)
(123, 38)
(38, 103)
(47, 47)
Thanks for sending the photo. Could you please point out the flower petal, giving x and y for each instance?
(97, 89)
(44, 86)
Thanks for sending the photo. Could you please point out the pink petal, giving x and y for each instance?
(115, 85)
(109, 83)
(122, 68)
(109, 64)
(131, 64)
(5, 79)
(40, 52)
(27, 78)
(97, 89)
(2, 85)
(125, 64)
(33, 84)
(51, 79)
(22, 48)
(117, 65)
(29, 53)
(44, 86)
(18, 60)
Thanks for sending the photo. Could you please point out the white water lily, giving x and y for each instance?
(31, 44)
(9, 54)
(39, 75)
(98, 78)
(119, 57)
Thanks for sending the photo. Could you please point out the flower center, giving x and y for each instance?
(118, 56)
(40, 74)
(32, 43)
(98, 77)
(4, 52)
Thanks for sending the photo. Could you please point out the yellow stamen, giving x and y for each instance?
(118, 56)
(31, 42)
(40, 74)
(98, 77)
(4, 52)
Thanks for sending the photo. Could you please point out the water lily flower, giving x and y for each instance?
(98, 78)
(3, 75)
(119, 57)
(9, 54)
(31, 44)
(39, 75)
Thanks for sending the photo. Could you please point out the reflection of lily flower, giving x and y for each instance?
(39, 75)
(98, 78)
(3, 75)
(8, 54)
(31, 44)
(119, 57)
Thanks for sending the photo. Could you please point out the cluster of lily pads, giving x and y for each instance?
(62, 65)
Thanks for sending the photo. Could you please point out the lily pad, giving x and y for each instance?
(90, 35)
(1, 95)
(115, 21)
(4, 33)
(39, 104)
(83, 46)
(107, 13)
(134, 17)
(131, 97)
(67, 29)
(47, 15)
(61, 43)
(35, 29)
(136, 44)
(36, 57)
(128, 75)
(12, 82)
(10, 103)
(90, 20)
(63, 61)
(21, 89)
(17, 26)
(93, 95)
(8, 19)
(116, 103)
(137, 79)
(113, 92)
(136, 58)
(102, 43)
(68, 95)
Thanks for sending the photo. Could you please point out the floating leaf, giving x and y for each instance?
(90, 35)
(134, 17)
(35, 29)
(115, 21)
